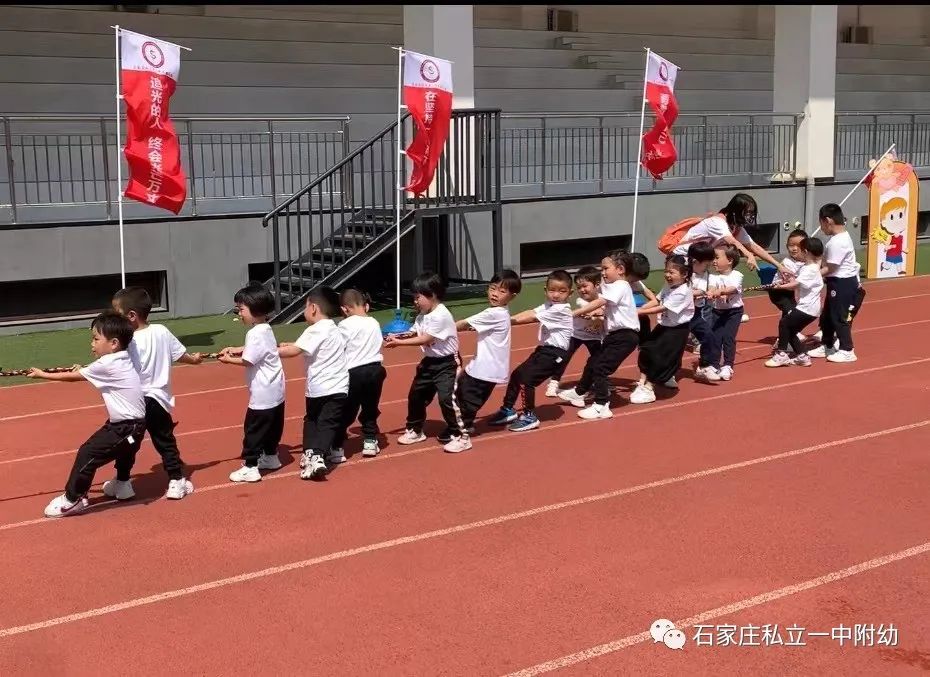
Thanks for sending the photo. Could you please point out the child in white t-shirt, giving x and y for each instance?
(586, 331)
(700, 257)
(434, 331)
(114, 375)
(725, 288)
(491, 364)
(264, 417)
(808, 284)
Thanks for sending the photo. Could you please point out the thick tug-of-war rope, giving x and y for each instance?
(59, 370)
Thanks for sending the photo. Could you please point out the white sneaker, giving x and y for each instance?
(801, 360)
(744, 318)
(779, 359)
(335, 457)
(458, 444)
(370, 448)
(62, 507)
(121, 491)
(573, 398)
(552, 390)
(245, 474)
(726, 373)
(842, 356)
(269, 462)
(315, 466)
(178, 489)
(818, 335)
(821, 351)
(411, 437)
(671, 383)
(642, 395)
(707, 374)
(596, 411)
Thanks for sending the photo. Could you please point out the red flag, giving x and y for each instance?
(659, 152)
(428, 97)
(149, 70)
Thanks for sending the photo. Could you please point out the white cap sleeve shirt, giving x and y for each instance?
(584, 329)
(678, 303)
(153, 350)
(325, 358)
(789, 264)
(492, 356)
(732, 279)
(699, 282)
(119, 384)
(363, 339)
(620, 311)
(838, 251)
(264, 373)
(810, 284)
(439, 324)
(555, 324)
(713, 230)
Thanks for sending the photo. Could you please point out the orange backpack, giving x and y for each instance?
(674, 234)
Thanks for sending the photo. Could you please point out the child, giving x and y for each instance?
(119, 439)
(725, 287)
(555, 331)
(640, 271)
(434, 331)
(621, 326)
(324, 351)
(700, 257)
(585, 332)
(783, 297)
(491, 364)
(841, 276)
(152, 351)
(264, 417)
(809, 284)
(660, 356)
(363, 340)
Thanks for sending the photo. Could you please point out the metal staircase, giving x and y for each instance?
(343, 219)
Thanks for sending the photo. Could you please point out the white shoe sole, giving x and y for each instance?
(239, 479)
(408, 441)
(370, 453)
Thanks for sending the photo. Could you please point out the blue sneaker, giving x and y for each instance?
(527, 421)
(504, 416)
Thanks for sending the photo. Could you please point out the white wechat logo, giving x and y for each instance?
(663, 630)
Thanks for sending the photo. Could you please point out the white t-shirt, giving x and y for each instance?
(839, 251)
(620, 311)
(153, 350)
(789, 264)
(732, 279)
(116, 378)
(713, 229)
(584, 329)
(678, 303)
(439, 324)
(555, 324)
(699, 282)
(325, 357)
(264, 373)
(492, 357)
(810, 283)
(363, 339)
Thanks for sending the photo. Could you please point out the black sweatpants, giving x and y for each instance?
(365, 384)
(788, 328)
(616, 347)
(783, 299)
(538, 367)
(857, 305)
(660, 356)
(842, 295)
(117, 442)
(704, 334)
(471, 394)
(323, 421)
(645, 328)
(435, 376)
(160, 427)
(725, 327)
(263, 431)
(593, 346)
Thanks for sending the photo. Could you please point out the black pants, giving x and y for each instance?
(113, 442)
(538, 367)
(645, 328)
(860, 299)
(704, 334)
(435, 376)
(842, 295)
(593, 346)
(616, 347)
(660, 356)
(323, 421)
(263, 431)
(160, 427)
(725, 327)
(471, 394)
(788, 328)
(783, 299)
(365, 384)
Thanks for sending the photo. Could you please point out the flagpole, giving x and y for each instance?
(119, 168)
(400, 178)
(639, 152)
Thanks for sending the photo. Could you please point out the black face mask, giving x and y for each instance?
(749, 219)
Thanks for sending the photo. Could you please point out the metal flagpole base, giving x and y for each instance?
(396, 326)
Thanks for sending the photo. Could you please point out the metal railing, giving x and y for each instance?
(860, 137)
(54, 167)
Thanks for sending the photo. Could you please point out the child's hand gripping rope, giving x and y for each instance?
(58, 370)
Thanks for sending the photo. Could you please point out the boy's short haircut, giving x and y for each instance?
(813, 245)
(326, 299)
(111, 325)
(621, 257)
(731, 252)
(559, 276)
(834, 212)
(508, 280)
(354, 297)
(256, 298)
(703, 252)
(640, 266)
(797, 232)
(588, 274)
(430, 285)
(134, 299)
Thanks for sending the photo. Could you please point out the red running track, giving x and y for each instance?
(552, 550)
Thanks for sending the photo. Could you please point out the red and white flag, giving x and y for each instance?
(428, 97)
(659, 152)
(149, 71)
